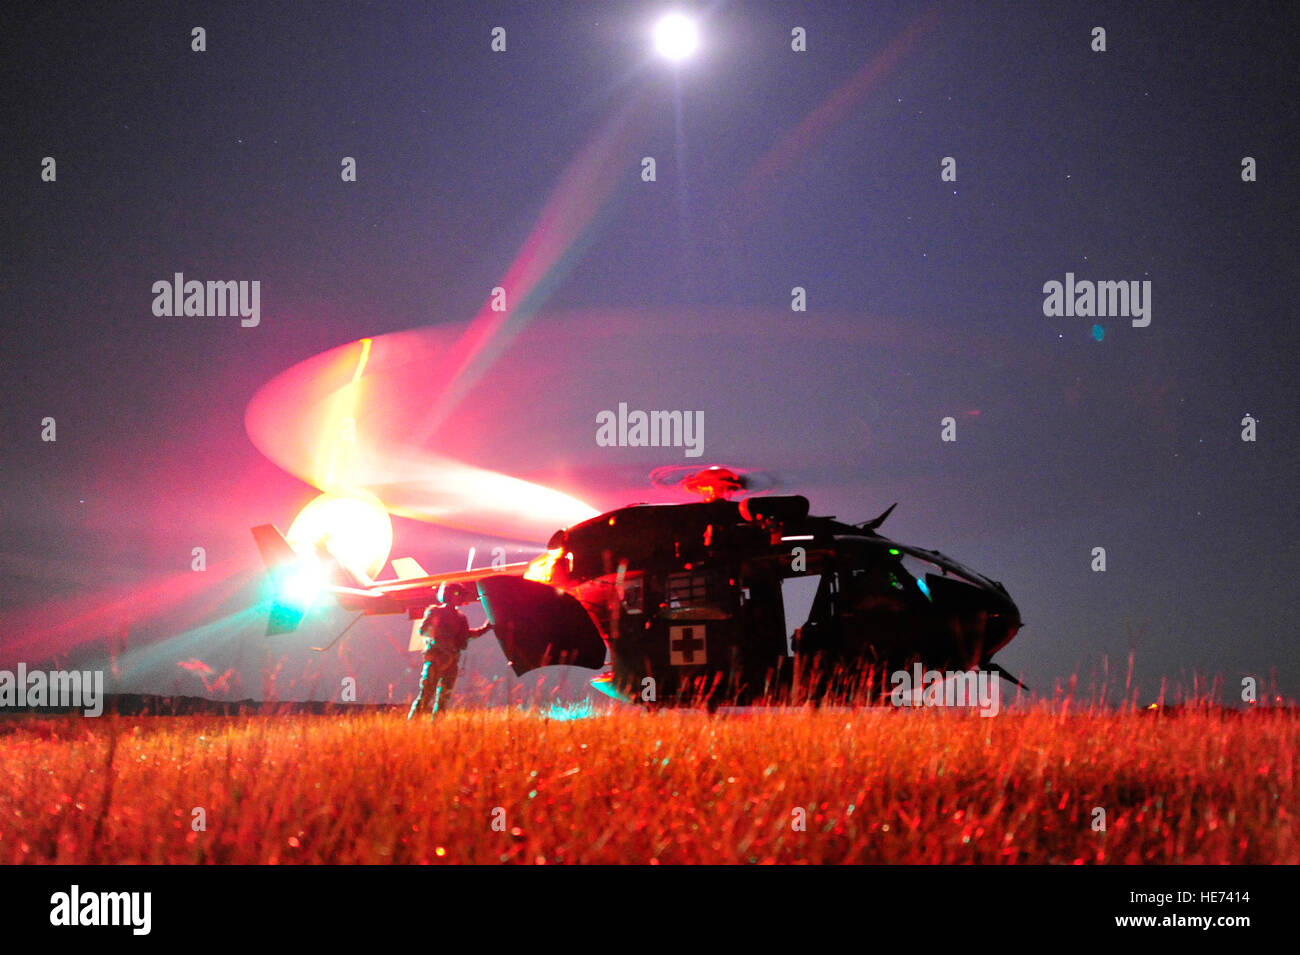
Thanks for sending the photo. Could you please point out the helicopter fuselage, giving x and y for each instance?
(742, 601)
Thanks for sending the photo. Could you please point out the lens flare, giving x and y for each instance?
(519, 458)
(299, 587)
(355, 529)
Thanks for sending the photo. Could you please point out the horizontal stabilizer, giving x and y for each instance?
(408, 568)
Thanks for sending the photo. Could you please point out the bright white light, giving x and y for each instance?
(300, 587)
(676, 37)
(355, 529)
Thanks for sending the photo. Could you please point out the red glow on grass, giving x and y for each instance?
(878, 786)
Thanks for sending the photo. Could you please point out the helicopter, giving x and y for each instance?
(727, 599)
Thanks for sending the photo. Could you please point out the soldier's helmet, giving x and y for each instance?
(452, 594)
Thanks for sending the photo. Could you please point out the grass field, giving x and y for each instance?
(491, 786)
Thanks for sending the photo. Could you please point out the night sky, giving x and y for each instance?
(523, 169)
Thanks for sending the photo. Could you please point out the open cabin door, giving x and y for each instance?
(538, 625)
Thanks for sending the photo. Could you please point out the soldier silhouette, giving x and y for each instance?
(446, 634)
